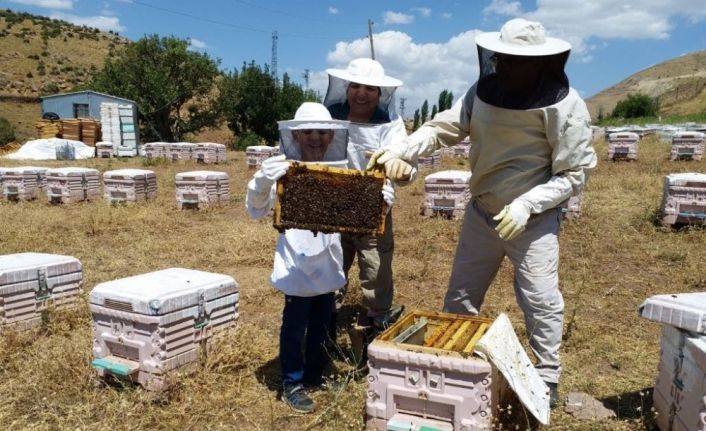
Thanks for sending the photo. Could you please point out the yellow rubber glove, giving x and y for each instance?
(513, 219)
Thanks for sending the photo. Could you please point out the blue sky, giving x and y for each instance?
(429, 45)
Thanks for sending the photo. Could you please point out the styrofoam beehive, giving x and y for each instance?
(425, 371)
(684, 199)
(446, 193)
(155, 150)
(687, 145)
(180, 151)
(201, 189)
(431, 161)
(209, 152)
(255, 154)
(104, 150)
(129, 185)
(30, 282)
(571, 209)
(623, 145)
(69, 185)
(149, 325)
(462, 149)
(23, 183)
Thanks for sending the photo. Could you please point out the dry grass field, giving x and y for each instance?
(613, 258)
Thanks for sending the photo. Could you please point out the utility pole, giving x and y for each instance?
(306, 78)
(274, 55)
(370, 36)
(402, 100)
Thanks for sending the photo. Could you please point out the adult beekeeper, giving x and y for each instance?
(308, 267)
(531, 150)
(363, 95)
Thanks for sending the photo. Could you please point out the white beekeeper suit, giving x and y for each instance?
(531, 150)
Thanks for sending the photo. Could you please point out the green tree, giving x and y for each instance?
(7, 132)
(442, 100)
(449, 101)
(636, 105)
(425, 111)
(433, 112)
(416, 120)
(171, 85)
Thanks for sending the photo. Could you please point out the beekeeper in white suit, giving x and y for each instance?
(363, 95)
(531, 150)
(307, 268)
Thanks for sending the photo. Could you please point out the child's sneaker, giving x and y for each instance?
(295, 396)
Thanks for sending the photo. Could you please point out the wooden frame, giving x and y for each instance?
(333, 174)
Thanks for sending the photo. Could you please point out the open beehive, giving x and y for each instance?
(328, 199)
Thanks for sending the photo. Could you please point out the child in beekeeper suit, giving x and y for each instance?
(308, 268)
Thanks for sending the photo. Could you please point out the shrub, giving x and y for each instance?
(635, 106)
(245, 140)
(7, 132)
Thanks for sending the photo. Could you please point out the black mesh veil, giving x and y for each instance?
(521, 82)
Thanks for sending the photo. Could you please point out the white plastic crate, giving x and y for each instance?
(623, 145)
(255, 154)
(69, 185)
(30, 282)
(149, 325)
(446, 193)
(129, 185)
(684, 199)
(201, 189)
(23, 183)
(687, 145)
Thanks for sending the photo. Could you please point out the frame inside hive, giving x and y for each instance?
(433, 332)
(329, 199)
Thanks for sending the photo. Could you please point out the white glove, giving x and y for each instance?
(513, 219)
(388, 194)
(270, 171)
(395, 168)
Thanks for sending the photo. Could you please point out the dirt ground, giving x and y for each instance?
(612, 259)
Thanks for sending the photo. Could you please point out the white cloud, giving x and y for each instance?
(422, 11)
(426, 68)
(333, 10)
(390, 17)
(105, 23)
(503, 7)
(197, 45)
(446, 15)
(48, 4)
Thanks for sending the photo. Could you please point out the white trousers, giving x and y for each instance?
(535, 257)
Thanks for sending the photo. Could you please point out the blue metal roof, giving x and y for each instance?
(87, 91)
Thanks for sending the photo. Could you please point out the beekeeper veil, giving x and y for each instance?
(313, 136)
(364, 71)
(521, 68)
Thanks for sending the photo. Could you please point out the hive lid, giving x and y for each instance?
(684, 177)
(500, 346)
(19, 267)
(684, 310)
(202, 175)
(72, 171)
(165, 291)
(128, 172)
(24, 170)
(464, 176)
(259, 148)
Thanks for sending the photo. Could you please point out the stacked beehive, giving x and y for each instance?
(152, 324)
(684, 199)
(23, 183)
(128, 131)
(571, 210)
(180, 151)
(623, 145)
(687, 146)
(90, 131)
(104, 150)
(446, 193)
(71, 129)
(680, 390)
(47, 129)
(431, 161)
(110, 124)
(462, 149)
(209, 152)
(69, 185)
(31, 282)
(129, 185)
(201, 189)
(257, 153)
(155, 150)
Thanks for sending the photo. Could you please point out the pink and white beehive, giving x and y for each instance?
(425, 373)
(148, 326)
(201, 189)
(684, 199)
(571, 209)
(69, 185)
(129, 185)
(31, 282)
(23, 183)
(209, 152)
(623, 145)
(687, 146)
(680, 390)
(446, 193)
(180, 151)
(155, 150)
(462, 149)
(257, 153)
(104, 150)
(431, 161)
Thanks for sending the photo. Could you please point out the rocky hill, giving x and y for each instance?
(679, 84)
